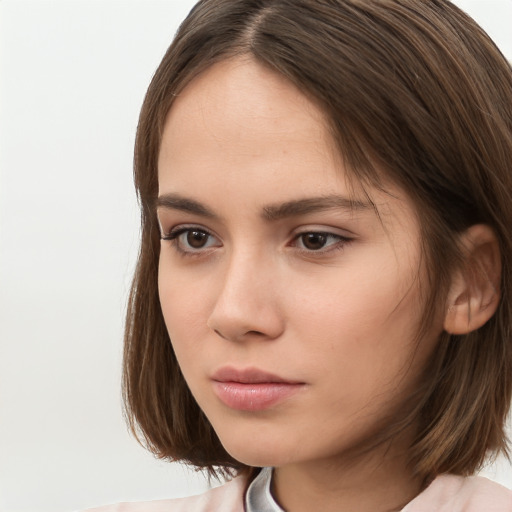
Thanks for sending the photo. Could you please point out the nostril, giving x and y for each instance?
(249, 333)
(241, 320)
(219, 334)
(255, 333)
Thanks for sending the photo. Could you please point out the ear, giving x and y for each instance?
(474, 292)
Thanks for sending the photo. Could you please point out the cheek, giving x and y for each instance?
(368, 294)
(183, 302)
(363, 322)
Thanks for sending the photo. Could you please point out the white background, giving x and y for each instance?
(72, 78)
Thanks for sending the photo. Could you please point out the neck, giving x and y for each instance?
(377, 482)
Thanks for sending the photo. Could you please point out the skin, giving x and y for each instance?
(337, 314)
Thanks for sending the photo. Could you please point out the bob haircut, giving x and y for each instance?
(416, 94)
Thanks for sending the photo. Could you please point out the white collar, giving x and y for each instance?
(258, 497)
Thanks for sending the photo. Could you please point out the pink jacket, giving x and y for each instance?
(447, 493)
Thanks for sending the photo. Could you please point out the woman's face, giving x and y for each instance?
(291, 305)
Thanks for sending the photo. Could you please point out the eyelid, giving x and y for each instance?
(342, 239)
(328, 230)
(174, 234)
(180, 228)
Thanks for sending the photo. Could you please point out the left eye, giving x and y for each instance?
(192, 239)
(316, 241)
(195, 238)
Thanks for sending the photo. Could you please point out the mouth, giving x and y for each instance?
(252, 389)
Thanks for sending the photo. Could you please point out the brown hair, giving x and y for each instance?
(413, 85)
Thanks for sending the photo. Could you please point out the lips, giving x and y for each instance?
(252, 389)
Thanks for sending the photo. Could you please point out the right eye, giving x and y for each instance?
(190, 240)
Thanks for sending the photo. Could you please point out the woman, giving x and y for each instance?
(324, 277)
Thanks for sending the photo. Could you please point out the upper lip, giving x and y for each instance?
(248, 376)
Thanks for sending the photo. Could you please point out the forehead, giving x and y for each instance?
(243, 86)
(240, 127)
(245, 110)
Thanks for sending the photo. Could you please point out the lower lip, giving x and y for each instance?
(254, 396)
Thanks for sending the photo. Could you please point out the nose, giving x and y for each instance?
(247, 305)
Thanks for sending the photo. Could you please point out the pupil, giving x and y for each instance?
(197, 239)
(314, 241)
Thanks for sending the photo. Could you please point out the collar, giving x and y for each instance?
(258, 497)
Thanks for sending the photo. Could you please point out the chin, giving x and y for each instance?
(258, 452)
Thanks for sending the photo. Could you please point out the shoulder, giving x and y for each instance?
(226, 498)
(450, 493)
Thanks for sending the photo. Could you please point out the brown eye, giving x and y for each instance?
(197, 239)
(314, 241)
(192, 240)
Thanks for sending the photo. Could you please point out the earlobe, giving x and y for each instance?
(474, 292)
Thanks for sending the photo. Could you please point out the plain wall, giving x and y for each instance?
(72, 78)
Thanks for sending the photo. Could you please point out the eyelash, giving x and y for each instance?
(174, 237)
(339, 243)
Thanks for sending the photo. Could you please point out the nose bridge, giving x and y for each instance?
(246, 301)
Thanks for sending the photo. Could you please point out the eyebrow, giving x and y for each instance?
(313, 205)
(184, 204)
(270, 212)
